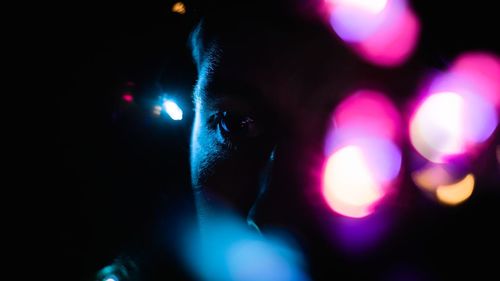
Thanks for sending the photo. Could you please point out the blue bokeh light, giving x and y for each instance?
(111, 278)
(173, 110)
(226, 249)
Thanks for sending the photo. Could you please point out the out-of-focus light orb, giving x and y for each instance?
(430, 177)
(456, 193)
(179, 8)
(474, 76)
(362, 157)
(128, 97)
(451, 123)
(393, 42)
(122, 267)
(481, 71)
(226, 249)
(370, 113)
(355, 20)
(157, 110)
(373, 6)
(383, 32)
(173, 110)
(381, 156)
(436, 128)
(256, 260)
(349, 188)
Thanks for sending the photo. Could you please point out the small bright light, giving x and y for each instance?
(179, 8)
(349, 187)
(157, 110)
(173, 110)
(456, 193)
(128, 97)
(111, 279)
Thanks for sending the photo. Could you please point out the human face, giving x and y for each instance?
(262, 110)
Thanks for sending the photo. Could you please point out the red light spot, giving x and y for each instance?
(127, 96)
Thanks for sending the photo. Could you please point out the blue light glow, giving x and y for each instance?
(228, 250)
(173, 110)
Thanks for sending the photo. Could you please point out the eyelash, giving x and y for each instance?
(224, 120)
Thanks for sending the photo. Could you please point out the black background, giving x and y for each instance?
(119, 169)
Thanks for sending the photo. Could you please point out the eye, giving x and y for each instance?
(239, 126)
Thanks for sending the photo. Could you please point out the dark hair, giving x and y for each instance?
(228, 24)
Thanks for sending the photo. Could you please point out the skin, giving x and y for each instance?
(279, 87)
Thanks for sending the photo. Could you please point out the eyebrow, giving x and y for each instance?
(219, 91)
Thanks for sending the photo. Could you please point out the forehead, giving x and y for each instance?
(285, 69)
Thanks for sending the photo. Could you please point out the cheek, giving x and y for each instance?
(205, 152)
(228, 176)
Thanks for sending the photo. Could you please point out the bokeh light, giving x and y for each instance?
(128, 97)
(227, 249)
(459, 109)
(383, 32)
(456, 193)
(179, 8)
(363, 159)
(354, 21)
(479, 72)
(393, 43)
(368, 113)
(173, 110)
(349, 188)
(371, 6)
(447, 183)
(123, 268)
(430, 177)
(436, 128)
(157, 110)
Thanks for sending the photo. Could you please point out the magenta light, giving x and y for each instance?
(362, 158)
(451, 123)
(393, 43)
(482, 72)
(128, 97)
(460, 109)
(383, 32)
(370, 112)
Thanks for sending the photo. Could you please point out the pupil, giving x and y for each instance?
(234, 123)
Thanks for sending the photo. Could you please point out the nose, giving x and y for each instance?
(289, 186)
